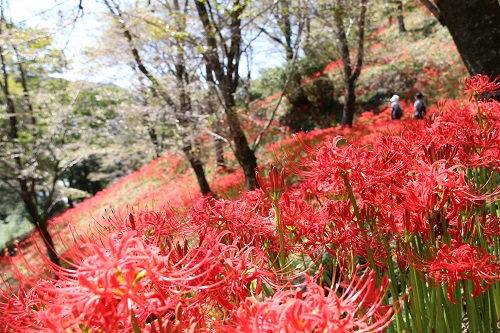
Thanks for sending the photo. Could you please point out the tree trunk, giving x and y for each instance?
(475, 28)
(197, 166)
(350, 101)
(154, 140)
(434, 11)
(224, 67)
(219, 152)
(29, 200)
(401, 22)
(49, 244)
(351, 74)
(245, 156)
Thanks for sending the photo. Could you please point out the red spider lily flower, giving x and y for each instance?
(123, 279)
(276, 185)
(305, 226)
(343, 231)
(357, 309)
(154, 226)
(490, 226)
(405, 224)
(463, 263)
(248, 217)
(435, 186)
(479, 84)
(441, 104)
(19, 309)
(234, 274)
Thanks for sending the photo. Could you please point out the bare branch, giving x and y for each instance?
(288, 79)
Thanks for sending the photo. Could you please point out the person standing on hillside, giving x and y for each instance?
(397, 110)
(419, 105)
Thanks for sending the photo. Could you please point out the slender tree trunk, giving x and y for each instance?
(295, 93)
(350, 101)
(401, 22)
(351, 74)
(49, 244)
(226, 74)
(219, 152)
(245, 156)
(197, 167)
(154, 140)
(475, 28)
(286, 27)
(29, 200)
(182, 79)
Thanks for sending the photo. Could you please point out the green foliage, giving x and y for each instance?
(269, 81)
(14, 223)
(310, 95)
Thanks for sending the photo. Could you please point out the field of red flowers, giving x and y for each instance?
(383, 227)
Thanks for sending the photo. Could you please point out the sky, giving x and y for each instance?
(76, 37)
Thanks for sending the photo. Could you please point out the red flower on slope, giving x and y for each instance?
(479, 84)
(434, 186)
(463, 263)
(247, 217)
(357, 309)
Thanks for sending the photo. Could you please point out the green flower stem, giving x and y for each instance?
(393, 287)
(417, 301)
(479, 117)
(452, 314)
(358, 217)
(495, 289)
(406, 309)
(485, 305)
(433, 312)
(277, 220)
(472, 313)
(267, 291)
(351, 195)
(493, 310)
(442, 321)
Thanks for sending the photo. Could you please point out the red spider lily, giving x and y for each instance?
(436, 185)
(305, 226)
(328, 167)
(463, 263)
(405, 224)
(343, 231)
(237, 273)
(154, 226)
(357, 309)
(276, 185)
(441, 104)
(479, 84)
(19, 309)
(247, 217)
(490, 226)
(129, 279)
(446, 152)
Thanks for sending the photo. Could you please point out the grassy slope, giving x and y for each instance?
(395, 64)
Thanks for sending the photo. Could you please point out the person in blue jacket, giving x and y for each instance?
(420, 110)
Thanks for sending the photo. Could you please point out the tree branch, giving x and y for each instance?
(361, 41)
(288, 79)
